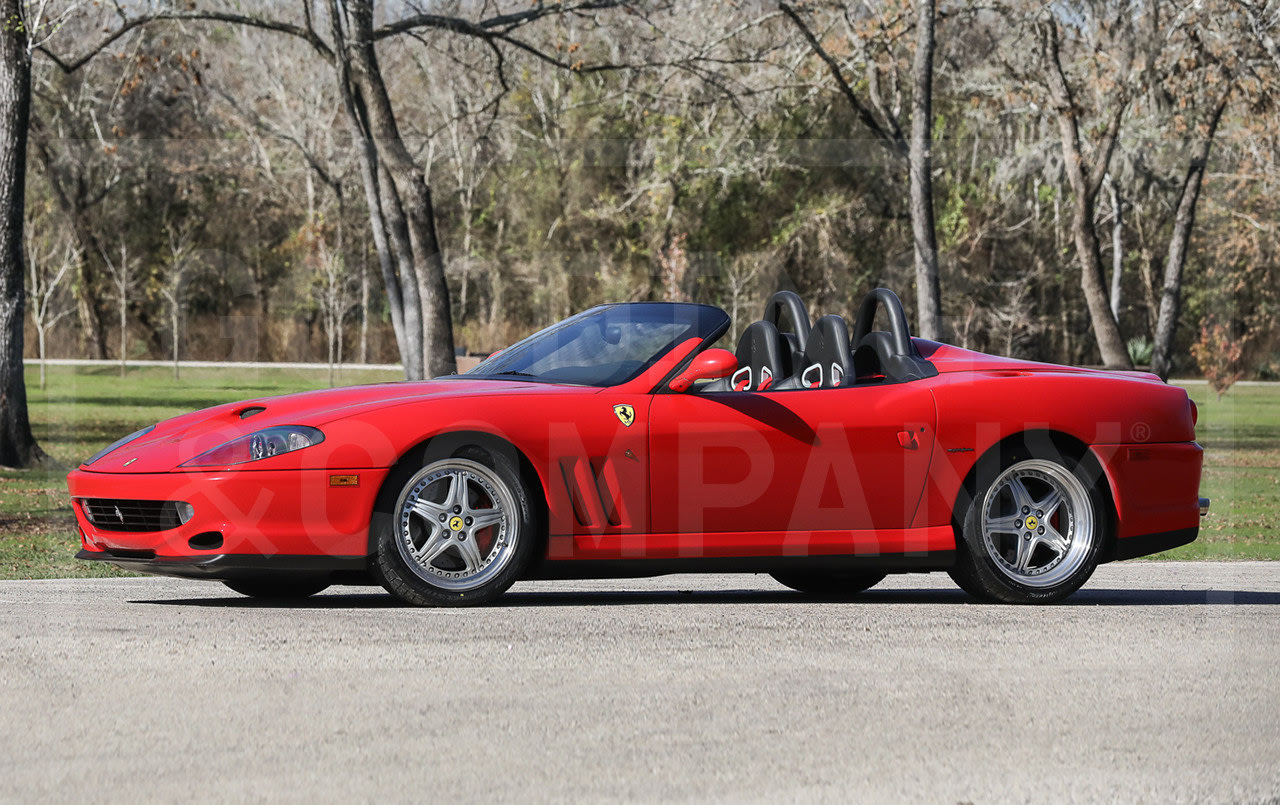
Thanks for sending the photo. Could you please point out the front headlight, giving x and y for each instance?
(120, 443)
(256, 446)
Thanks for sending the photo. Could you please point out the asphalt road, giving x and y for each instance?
(1157, 683)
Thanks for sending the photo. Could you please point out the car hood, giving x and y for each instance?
(182, 438)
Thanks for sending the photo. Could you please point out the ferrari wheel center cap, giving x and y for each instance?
(456, 523)
(1032, 522)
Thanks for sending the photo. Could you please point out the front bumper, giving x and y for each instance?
(337, 569)
(245, 513)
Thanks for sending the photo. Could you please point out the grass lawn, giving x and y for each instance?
(84, 409)
(1241, 438)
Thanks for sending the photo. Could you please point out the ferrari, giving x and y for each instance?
(621, 442)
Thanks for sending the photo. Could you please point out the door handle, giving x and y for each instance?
(907, 439)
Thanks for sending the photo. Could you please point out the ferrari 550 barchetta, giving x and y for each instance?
(621, 443)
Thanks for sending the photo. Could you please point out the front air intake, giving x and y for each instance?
(112, 514)
(206, 541)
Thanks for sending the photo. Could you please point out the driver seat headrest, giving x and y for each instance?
(760, 358)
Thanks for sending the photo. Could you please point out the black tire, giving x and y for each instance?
(1012, 548)
(278, 589)
(829, 584)
(455, 561)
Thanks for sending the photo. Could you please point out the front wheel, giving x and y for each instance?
(461, 532)
(1033, 533)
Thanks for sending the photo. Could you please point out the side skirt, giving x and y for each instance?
(640, 568)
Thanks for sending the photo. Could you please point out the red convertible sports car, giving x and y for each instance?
(620, 443)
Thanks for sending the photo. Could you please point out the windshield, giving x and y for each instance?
(605, 346)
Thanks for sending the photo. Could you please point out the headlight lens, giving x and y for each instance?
(256, 446)
(119, 443)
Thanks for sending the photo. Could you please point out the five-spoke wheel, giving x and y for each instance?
(460, 532)
(1037, 524)
(1033, 530)
(456, 524)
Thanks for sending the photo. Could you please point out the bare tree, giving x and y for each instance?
(25, 28)
(181, 243)
(401, 211)
(123, 279)
(1086, 176)
(332, 282)
(49, 263)
(881, 112)
(1183, 222)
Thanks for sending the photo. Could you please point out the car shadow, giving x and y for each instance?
(596, 598)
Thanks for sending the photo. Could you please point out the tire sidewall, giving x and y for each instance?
(391, 568)
(978, 573)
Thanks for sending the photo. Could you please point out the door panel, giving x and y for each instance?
(790, 461)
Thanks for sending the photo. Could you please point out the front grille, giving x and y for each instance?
(132, 515)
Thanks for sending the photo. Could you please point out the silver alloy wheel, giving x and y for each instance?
(456, 524)
(1038, 523)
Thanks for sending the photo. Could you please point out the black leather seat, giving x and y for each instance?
(886, 356)
(761, 362)
(872, 357)
(827, 358)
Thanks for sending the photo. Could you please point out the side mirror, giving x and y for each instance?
(710, 365)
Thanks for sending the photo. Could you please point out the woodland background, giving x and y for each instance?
(195, 183)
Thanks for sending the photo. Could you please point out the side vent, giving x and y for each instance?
(248, 412)
(608, 501)
(592, 489)
(567, 466)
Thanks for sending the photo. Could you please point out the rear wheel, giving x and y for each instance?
(1034, 530)
(461, 532)
(830, 583)
(277, 589)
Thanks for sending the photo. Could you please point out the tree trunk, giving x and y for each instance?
(406, 199)
(124, 322)
(402, 297)
(71, 202)
(175, 338)
(364, 304)
(1093, 282)
(920, 157)
(18, 446)
(1184, 220)
(1085, 182)
(43, 363)
(1117, 248)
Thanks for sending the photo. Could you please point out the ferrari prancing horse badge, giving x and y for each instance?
(626, 414)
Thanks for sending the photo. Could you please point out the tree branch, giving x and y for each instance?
(501, 24)
(70, 65)
(864, 114)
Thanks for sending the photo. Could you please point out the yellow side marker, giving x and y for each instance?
(344, 480)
